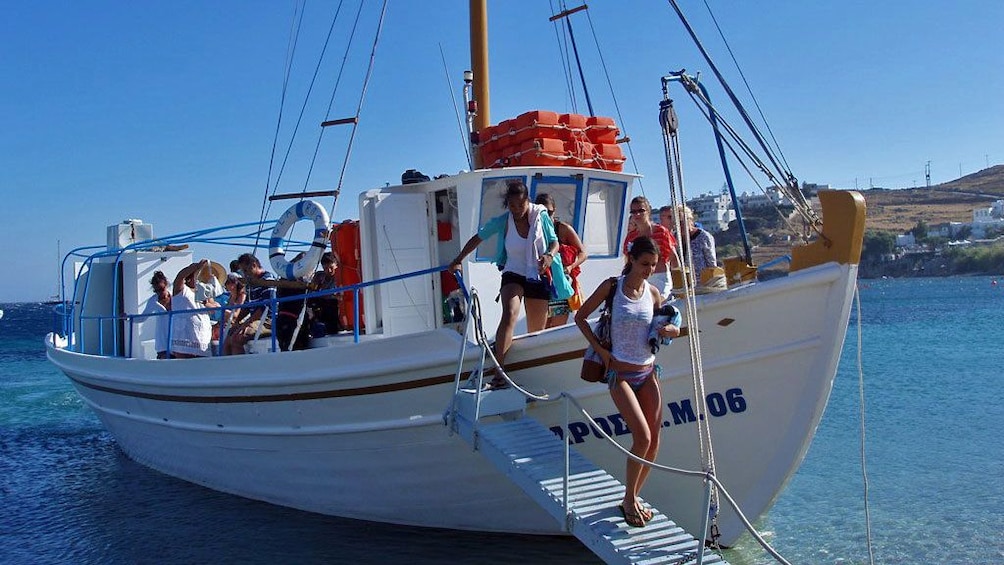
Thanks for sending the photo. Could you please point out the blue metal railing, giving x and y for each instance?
(64, 313)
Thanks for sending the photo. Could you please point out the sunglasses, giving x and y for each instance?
(634, 212)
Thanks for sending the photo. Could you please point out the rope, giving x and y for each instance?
(362, 95)
(566, 65)
(861, 402)
(613, 97)
(294, 34)
(777, 146)
(464, 138)
(334, 90)
(674, 169)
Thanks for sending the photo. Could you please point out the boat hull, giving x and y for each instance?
(357, 430)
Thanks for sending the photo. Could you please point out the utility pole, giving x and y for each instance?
(927, 174)
(960, 170)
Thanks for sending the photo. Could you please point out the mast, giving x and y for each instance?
(479, 64)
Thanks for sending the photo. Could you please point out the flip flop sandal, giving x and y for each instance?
(632, 518)
(646, 514)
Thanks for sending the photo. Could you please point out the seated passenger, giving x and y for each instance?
(700, 240)
(159, 302)
(256, 279)
(324, 309)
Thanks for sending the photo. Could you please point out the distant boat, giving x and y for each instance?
(1, 314)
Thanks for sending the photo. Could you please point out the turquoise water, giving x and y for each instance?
(932, 358)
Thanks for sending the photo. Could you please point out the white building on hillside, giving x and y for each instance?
(771, 197)
(988, 217)
(713, 211)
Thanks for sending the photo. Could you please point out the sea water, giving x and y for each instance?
(931, 358)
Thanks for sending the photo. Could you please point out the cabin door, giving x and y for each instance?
(404, 237)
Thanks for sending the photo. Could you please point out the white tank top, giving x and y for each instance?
(629, 326)
(516, 253)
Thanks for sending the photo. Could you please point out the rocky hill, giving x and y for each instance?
(899, 210)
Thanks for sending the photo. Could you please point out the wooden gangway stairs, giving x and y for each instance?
(533, 458)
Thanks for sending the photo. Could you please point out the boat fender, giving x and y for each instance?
(305, 265)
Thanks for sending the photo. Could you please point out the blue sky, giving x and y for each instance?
(166, 111)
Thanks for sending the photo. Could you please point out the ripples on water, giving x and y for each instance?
(932, 360)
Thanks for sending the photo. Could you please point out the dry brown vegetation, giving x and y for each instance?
(901, 209)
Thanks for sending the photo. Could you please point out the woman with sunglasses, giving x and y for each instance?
(640, 224)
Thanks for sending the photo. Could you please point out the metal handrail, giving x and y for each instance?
(474, 315)
(271, 303)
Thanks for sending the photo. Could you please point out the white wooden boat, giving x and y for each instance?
(353, 426)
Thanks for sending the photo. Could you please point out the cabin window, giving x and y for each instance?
(492, 193)
(604, 216)
(567, 195)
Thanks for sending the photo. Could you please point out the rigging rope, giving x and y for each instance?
(711, 114)
(362, 96)
(777, 146)
(566, 65)
(294, 34)
(674, 169)
(617, 107)
(464, 138)
(861, 402)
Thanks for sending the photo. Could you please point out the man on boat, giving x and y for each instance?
(255, 276)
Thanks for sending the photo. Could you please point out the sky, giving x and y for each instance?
(169, 111)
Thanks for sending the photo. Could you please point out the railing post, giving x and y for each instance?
(564, 484)
(355, 315)
(703, 532)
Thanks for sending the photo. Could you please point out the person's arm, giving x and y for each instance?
(471, 245)
(569, 237)
(709, 251)
(551, 239)
(582, 318)
(179, 279)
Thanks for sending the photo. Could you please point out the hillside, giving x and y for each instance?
(899, 210)
(896, 210)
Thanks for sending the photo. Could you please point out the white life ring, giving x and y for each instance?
(306, 209)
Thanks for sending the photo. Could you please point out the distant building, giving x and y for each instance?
(988, 217)
(770, 197)
(713, 211)
(810, 189)
(946, 229)
(905, 240)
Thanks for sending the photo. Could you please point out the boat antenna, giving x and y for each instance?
(464, 137)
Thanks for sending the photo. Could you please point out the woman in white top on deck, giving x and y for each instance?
(190, 333)
(632, 373)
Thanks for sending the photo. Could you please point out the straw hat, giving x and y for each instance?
(216, 271)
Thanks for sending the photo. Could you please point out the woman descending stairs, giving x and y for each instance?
(534, 459)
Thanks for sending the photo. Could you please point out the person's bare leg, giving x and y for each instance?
(641, 439)
(511, 297)
(536, 314)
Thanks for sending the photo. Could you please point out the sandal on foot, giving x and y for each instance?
(497, 382)
(645, 514)
(632, 518)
